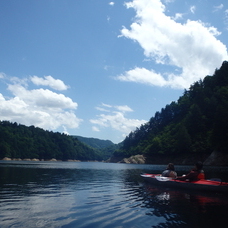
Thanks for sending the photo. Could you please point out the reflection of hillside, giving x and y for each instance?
(180, 208)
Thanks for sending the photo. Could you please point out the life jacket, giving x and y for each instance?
(201, 175)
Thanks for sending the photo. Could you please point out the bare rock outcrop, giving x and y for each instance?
(217, 158)
(136, 159)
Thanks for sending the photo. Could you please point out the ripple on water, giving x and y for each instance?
(96, 195)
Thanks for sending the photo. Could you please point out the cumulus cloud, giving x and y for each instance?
(42, 98)
(144, 76)
(111, 3)
(192, 47)
(39, 107)
(56, 84)
(116, 120)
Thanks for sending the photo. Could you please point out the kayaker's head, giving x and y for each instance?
(171, 166)
(199, 165)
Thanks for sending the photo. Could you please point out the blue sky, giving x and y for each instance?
(102, 68)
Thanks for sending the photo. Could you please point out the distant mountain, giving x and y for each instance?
(94, 142)
(105, 148)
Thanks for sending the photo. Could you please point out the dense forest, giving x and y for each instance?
(196, 124)
(19, 141)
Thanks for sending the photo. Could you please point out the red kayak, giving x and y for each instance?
(203, 185)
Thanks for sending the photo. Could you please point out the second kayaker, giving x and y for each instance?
(195, 174)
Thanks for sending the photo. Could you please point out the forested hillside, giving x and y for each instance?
(19, 141)
(196, 124)
(105, 147)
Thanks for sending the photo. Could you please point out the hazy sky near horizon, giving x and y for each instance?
(102, 68)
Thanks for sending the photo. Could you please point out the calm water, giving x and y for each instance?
(97, 195)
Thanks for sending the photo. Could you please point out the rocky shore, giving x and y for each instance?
(214, 159)
(34, 159)
(136, 159)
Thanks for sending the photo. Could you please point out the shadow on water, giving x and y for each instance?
(101, 195)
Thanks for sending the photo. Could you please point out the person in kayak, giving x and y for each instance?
(170, 171)
(195, 174)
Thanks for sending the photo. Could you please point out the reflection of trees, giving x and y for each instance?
(160, 201)
(30, 181)
(24, 180)
(157, 201)
(184, 209)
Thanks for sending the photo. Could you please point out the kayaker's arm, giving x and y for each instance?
(190, 176)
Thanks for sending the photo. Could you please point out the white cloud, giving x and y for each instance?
(2, 75)
(111, 3)
(109, 108)
(117, 120)
(219, 7)
(192, 9)
(19, 81)
(191, 46)
(106, 105)
(144, 76)
(226, 19)
(65, 130)
(124, 108)
(39, 107)
(42, 98)
(177, 16)
(102, 109)
(94, 128)
(56, 84)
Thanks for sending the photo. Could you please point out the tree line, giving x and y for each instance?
(197, 123)
(19, 141)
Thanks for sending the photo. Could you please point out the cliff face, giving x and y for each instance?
(217, 158)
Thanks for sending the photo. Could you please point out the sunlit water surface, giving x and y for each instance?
(96, 195)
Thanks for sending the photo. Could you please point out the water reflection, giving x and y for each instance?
(99, 195)
(185, 208)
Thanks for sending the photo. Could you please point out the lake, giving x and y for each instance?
(102, 195)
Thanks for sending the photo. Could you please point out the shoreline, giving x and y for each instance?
(35, 159)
